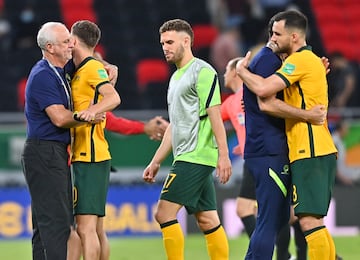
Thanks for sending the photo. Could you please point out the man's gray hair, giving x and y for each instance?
(46, 34)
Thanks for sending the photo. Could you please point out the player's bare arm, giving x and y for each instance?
(278, 108)
(262, 87)
(223, 169)
(111, 99)
(160, 155)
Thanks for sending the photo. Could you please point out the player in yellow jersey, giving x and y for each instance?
(91, 158)
(312, 152)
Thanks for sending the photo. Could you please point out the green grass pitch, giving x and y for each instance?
(137, 248)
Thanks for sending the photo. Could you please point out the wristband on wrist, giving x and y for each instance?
(77, 118)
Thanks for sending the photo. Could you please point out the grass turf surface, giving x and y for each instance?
(136, 248)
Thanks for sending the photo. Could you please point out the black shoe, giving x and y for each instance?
(338, 257)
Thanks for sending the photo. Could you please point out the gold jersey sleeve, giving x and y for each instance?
(305, 77)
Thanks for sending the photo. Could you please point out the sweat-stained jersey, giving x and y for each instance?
(89, 144)
(305, 78)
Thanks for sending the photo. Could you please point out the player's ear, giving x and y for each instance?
(187, 41)
(295, 36)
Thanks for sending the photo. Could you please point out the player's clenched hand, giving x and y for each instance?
(243, 63)
(223, 169)
(317, 115)
(150, 172)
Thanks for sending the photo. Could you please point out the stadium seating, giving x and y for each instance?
(339, 25)
(152, 80)
(151, 71)
(204, 36)
(73, 11)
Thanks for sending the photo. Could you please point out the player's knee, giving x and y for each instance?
(85, 231)
(161, 217)
(310, 222)
(245, 207)
(207, 221)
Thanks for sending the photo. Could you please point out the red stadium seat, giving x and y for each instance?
(347, 48)
(328, 15)
(352, 13)
(77, 3)
(151, 71)
(204, 35)
(320, 3)
(21, 85)
(73, 11)
(335, 32)
(72, 15)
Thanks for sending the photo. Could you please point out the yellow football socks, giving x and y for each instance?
(319, 245)
(217, 244)
(173, 239)
(332, 245)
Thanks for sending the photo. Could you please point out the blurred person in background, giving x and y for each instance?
(226, 46)
(25, 27)
(5, 32)
(346, 175)
(271, 7)
(342, 81)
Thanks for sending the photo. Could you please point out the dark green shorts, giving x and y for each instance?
(313, 182)
(91, 186)
(190, 185)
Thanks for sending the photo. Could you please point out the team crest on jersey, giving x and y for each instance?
(102, 74)
(288, 68)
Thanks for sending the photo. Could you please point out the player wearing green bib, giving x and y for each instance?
(197, 138)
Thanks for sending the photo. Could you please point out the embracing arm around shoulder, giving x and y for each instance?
(262, 87)
(278, 108)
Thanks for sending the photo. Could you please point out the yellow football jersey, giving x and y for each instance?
(89, 143)
(305, 77)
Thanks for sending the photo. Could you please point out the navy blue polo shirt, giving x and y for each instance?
(265, 134)
(44, 88)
